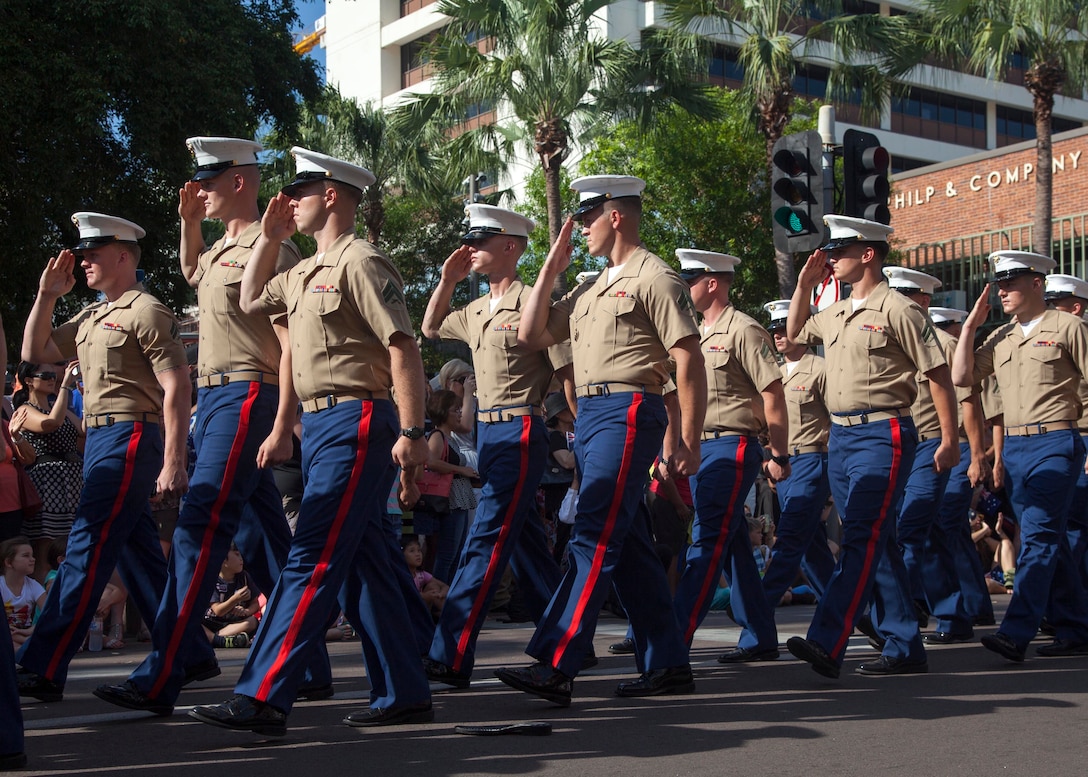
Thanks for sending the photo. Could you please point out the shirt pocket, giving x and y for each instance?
(225, 291)
(1045, 364)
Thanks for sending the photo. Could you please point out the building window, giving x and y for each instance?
(1015, 125)
(415, 61)
(900, 164)
(942, 117)
(724, 68)
(810, 83)
(411, 6)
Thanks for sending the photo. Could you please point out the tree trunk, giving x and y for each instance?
(550, 140)
(1041, 239)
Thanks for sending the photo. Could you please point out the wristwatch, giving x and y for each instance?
(412, 432)
(782, 460)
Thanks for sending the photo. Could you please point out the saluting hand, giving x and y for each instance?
(458, 265)
(814, 271)
(278, 223)
(58, 278)
(559, 256)
(980, 311)
(191, 207)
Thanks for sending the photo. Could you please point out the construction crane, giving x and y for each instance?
(308, 41)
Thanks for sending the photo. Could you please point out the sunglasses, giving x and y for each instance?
(462, 379)
(45, 375)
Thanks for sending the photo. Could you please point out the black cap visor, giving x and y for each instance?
(87, 243)
(480, 234)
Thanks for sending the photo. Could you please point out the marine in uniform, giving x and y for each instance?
(351, 341)
(243, 419)
(135, 380)
(1039, 360)
(875, 343)
(744, 393)
(512, 381)
(1069, 294)
(952, 573)
(624, 327)
(925, 487)
(801, 537)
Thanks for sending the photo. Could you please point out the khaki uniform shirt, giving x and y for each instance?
(120, 348)
(343, 308)
(621, 331)
(230, 339)
(1039, 375)
(739, 359)
(992, 406)
(804, 389)
(873, 353)
(506, 373)
(923, 409)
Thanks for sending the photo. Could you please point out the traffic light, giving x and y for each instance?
(797, 192)
(865, 174)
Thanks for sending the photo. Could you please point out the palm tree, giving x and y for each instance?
(1047, 36)
(773, 38)
(552, 80)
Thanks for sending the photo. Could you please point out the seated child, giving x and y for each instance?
(235, 608)
(23, 596)
(430, 588)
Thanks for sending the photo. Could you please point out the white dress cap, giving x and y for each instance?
(487, 220)
(98, 229)
(594, 190)
(214, 155)
(1009, 264)
(907, 280)
(779, 310)
(845, 230)
(1062, 286)
(312, 166)
(941, 316)
(694, 262)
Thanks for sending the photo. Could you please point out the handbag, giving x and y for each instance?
(434, 488)
(29, 498)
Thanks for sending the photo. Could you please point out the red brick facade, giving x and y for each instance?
(986, 192)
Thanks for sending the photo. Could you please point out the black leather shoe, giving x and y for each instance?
(130, 697)
(658, 682)
(37, 687)
(809, 651)
(1003, 646)
(984, 620)
(590, 660)
(243, 713)
(884, 666)
(1061, 648)
(948, 637)
(921, 612)
(315, 693)
(866, 627)
(198, 673)
(440, 673)
(622, 648)
(11, 761)
(746, 656)
(376, 716)
(541, 680)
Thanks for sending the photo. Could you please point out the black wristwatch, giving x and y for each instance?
(412, 432)
(782, 460)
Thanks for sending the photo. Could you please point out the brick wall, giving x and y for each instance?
(985, 192)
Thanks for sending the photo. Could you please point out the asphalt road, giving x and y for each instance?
(973, 714)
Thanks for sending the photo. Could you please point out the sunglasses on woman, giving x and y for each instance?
(45, 375)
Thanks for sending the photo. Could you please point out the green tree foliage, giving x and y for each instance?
(706, 188)
(98, 99)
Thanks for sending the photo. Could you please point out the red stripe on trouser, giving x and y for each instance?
(103, 536)
(606, 534)
(322, 566)
(203, 558)
(874, 540)
(496, 550)
(713, 573)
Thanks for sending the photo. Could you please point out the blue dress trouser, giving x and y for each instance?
(918, 512)
(512, 458)
(11, 730)
(801, 539)
(1042, 472)
(616, 440)
(226, 492)
(112, 529)
(952, 570)
(1077, 530)
(868, 465)
(340, 549)
(719, 535)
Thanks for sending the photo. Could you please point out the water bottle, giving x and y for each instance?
(94, 636)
